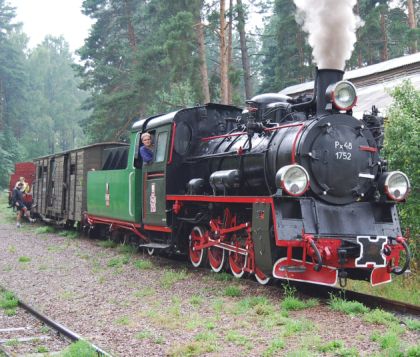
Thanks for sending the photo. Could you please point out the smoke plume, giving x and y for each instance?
(331, 25)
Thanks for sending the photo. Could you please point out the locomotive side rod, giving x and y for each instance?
(226, 247)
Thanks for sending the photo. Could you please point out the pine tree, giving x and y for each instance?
(287, 56)
(13, 86)
(412, 24)
(199, 29)
(244, 49)
(224, 59)
(141, 57)
(55, 100)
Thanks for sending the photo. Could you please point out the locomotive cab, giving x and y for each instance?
(154, 179)
(174, 136)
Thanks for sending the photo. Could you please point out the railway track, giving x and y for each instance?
(27, 332)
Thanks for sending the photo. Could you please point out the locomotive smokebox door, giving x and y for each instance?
(340, 154)
(261, 237)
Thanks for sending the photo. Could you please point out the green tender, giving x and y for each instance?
(116, 194)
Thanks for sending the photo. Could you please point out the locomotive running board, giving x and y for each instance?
(155, 245)
(326, 276)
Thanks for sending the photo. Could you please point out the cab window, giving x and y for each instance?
(160, 145)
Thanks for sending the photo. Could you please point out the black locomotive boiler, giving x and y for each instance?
(290, 188)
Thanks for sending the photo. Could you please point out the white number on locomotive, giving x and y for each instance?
(343, 155)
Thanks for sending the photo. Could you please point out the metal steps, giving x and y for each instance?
(293, 268)
(155, 245)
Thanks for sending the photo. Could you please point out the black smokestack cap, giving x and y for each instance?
(325, 77)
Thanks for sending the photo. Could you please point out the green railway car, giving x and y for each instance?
(115, 191)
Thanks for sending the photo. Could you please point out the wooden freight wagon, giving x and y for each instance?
(59, 189)
(26, 170)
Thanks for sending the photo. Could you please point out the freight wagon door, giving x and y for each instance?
(154, 178)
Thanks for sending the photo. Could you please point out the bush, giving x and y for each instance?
(402, 150)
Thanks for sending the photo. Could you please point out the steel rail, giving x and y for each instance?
(3, 352)
(60, 328)
(56, 327)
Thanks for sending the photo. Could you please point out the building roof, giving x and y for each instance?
(374, 82)
(378, 94)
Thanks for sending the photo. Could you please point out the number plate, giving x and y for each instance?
(371, 251)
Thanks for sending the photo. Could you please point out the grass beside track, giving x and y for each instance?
(6, 214)
(402, 288)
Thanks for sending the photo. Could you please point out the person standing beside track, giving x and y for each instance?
(25, 188)
(17, 200)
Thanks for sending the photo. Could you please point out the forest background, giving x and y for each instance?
(144, 57)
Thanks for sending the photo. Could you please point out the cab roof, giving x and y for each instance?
(163, 119)
(103, 144)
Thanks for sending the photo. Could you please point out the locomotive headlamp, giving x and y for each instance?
(342, 94)
(293, 179)
(396, 185)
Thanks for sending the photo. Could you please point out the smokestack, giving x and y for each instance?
(325, 77)
(331, 25)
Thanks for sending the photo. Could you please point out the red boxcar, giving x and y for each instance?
(26, 170)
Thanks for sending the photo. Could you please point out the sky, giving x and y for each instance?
(61, 17)
(53, 17)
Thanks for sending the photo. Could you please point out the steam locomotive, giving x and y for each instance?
(288, 188)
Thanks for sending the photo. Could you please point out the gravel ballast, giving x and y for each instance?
(158, 307)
